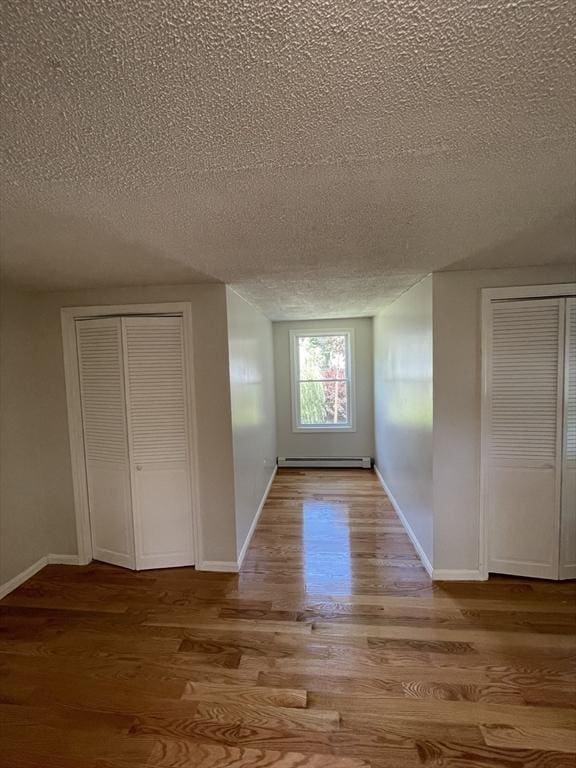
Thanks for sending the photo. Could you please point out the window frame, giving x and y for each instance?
(295, 380)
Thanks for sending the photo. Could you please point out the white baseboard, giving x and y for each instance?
(228, 566)
(248, 539)
(15, 582)
(225, 566)
(441, 574)
(407, 527)
(63, 559)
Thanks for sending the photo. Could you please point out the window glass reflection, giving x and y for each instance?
(326, 540)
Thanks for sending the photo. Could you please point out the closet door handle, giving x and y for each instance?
(139, 467)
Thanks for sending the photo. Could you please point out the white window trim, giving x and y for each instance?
(294, 380)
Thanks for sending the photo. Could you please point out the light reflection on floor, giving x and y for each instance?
(326, 547)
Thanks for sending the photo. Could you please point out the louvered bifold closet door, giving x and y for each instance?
(156, 394)
(568, 517)
(524, 446)
(99, 344)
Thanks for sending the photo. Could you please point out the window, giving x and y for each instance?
(322, 381)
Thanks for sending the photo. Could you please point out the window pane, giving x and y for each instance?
(324, 403)
(322, 357)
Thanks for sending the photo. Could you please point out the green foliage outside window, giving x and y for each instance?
(323, 374)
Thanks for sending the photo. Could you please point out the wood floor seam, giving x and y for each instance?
(331, 648)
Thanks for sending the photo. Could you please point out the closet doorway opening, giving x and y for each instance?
(130, 397)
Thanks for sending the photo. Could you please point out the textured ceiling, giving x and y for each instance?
(320, 155)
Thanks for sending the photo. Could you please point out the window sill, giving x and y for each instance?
(325, 429)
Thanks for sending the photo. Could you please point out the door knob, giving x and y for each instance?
(139, 467)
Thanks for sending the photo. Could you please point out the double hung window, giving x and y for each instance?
(322, 381)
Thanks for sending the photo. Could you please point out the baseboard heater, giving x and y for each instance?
(360, 462)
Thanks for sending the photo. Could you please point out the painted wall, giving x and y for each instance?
(457, 393)
(252, 397)
(212, 390)
(403, 406)
(23, 533)
(358, 443)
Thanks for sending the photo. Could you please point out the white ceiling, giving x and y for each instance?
(320, 155)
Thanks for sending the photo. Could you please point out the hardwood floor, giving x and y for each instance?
(331, 649)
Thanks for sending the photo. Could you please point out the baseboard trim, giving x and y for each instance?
(15, 582)
(224, 566)
(407, 527)
(228, 566)
(441, 574)
(63, 560)
(248, 539)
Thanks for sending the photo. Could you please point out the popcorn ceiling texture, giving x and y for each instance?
(320, 155)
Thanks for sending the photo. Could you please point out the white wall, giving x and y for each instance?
(212, 390)
(358, 443)
(253, 410)
(403, 406)
(457, 390)
(23, 529)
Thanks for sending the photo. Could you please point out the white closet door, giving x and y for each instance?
(524, 447)
(105, 440)
(158, 434)
(568, 517)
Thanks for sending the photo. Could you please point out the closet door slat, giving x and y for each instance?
(99, 344)
(155, 372)
(570, 392)
(102, 389)
(568, 519)
(157, 407)
(524, 413)
(524, 381)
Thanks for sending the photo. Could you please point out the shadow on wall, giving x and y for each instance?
(75, 252)
(551, 243)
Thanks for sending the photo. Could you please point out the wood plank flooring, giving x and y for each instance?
(331, 649)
